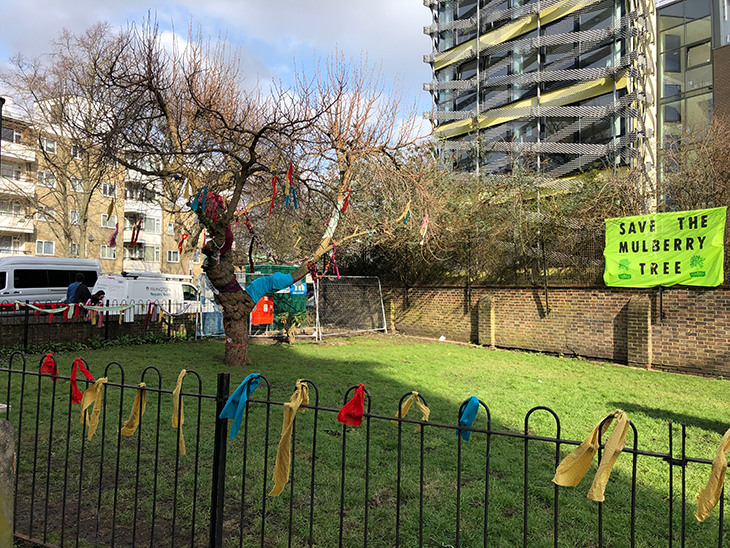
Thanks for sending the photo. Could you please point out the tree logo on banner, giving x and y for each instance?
(697, 263)
(624, 265)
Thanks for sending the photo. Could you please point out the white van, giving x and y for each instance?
(43, 279)
(176, 293)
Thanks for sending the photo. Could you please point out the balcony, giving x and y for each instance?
(19, 187)
(138, 265)
(15, 224)
(144, 238)
(18, 151)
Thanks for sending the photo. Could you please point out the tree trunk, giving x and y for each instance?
(236, 305)
(235, 302)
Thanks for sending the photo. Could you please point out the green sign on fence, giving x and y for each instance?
(682, 247)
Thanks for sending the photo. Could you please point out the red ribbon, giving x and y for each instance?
(135, 232)
(150, 313)
(75, 392)
(290, 173)
(351, 413)
(273, 196)
(182, 242)
(49, 366)
(346, 202)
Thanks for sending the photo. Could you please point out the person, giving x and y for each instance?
(97, 299)
(77, 292)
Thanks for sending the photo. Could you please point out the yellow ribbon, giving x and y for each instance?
(177, 407)
(708, 497)
(110, 211)
(573, 467)
(425, 411)
(92, 396)
(405, 212)
(138, 406)
(283, 455)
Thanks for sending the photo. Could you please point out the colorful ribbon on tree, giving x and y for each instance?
(135, 232)
(273, 196)
(113, 237)
(182, 242)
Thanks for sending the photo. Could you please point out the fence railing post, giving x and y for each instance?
(25, 327)
(219, 463)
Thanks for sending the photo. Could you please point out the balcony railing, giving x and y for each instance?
(16, 224)
(20, 187)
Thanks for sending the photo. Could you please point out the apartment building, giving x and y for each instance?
(572, 85)
(54, 201)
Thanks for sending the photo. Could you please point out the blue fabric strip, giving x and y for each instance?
(236, 404)
(268, 284)
(468, 414)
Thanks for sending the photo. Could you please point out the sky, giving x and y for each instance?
(274, 36)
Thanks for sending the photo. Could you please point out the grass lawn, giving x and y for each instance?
(510, 383)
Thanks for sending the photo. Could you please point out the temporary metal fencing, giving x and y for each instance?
(334, 306)
(377, 485)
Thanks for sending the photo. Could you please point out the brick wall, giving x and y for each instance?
(678, 329)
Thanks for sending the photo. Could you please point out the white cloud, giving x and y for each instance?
(272, 34)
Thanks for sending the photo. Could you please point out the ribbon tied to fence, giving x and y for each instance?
(573, 467)
(283, 454)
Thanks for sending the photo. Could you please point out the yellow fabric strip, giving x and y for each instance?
(559, 97)
(405, 212)
(425, 411)
(508, 32)
(177, 409)
(283, 455)
(573, 467)
(140, 399)
(710, 495)
(93, 395)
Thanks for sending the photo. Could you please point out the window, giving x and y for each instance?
(151, 225)
(171, 229)
(152, 254)
(698, 55)
(10, 207)
(45, 247)
(10, 244)
(106, 252)
(11, 171)
(133, 252)
(73, 249)
(48, 145)
(45, 213)
(76, 185)
(109, 190)
(77, 152)
(173, 256)
(74, 217)
(108, 222)
(139, 192)
(47, 179)
(12, 135)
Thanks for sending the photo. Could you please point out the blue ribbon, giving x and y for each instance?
(202, 193)
(236, 404)
(468, 414)
(294, 196)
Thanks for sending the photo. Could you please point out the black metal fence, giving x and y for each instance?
(377, 485)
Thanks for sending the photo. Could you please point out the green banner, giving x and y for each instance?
(682, 247)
